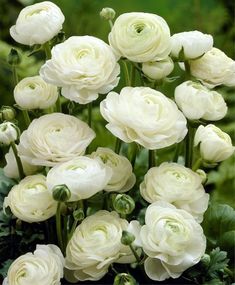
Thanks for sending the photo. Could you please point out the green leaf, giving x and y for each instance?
(4, 267)
(218, 262)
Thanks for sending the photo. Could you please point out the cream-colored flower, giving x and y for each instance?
(172, 240)
(43, 267)
(123, 179)
(30, 200)
(95, 244)
(194, 44)
(84, 67)
(198, 102)
(53, 139)
(8, 133)
(37, 23)
(145, 116)
(214, 144)
(158, 69)
(83, 176)
(35, 93)
(214, 68)
(178, 185)
(140, 37)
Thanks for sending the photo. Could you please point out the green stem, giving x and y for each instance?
(89, 110)
(26, 117)
(133, 153)
(197, 164)
(132, 77)
(177, 152)
(152, 161)
(189, 147)
(18, 160)
(126, 71)
(187, 70)
(74, 225)
(111, 24)
(15, 75)
(58, 103)
(118, 145)
(58, 227)
(47, 50)
(138, 259)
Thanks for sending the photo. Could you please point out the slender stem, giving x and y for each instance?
(15, 75)
(89, 110)
(47, 50)
(187, 70)
(189, 147)
(197, 164)
(138, 259)
(58, 103)
(74, 225)
(110, 24)
(18, 160)
(132, 77)
(177, 152)
(127, 76)
(58, 227)
(26, 117)
(118, 145)
(134, 148)
(152, 161)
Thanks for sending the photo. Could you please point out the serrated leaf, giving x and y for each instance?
(218, 262)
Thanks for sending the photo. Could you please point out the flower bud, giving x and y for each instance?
(8, 133)
(205, 260)
(107, 13)
(124, 279)
(202, 174)
(61, 193)
(123, 204)
(78, 215)
(127, 238)
(14, 57)
(159, 69)
(7, 113)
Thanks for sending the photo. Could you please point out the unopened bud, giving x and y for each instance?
(127, 238)
(14, 57)
(7, 113)
(61, 193)
(107, 13)
(78, 215)
(202, 174)
(9, 133)
(205, 260)
(124, 279)
(123, 204)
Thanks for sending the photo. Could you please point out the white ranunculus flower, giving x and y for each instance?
(95, 244)
(35, 93)
(178, 185)
(43, 267)
(84, 177)
(214, 68)
(84, 67)
(140, 37)
(158, 69)
(54, 138)
(172, 240)
(194, 44)
(214, 144)
(30, 200)
(123, 179)
(145, 116)
(37, 24)
(11, 169)
(198, 102)
(8, 133)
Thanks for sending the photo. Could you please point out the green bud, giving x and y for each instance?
(14, 57)
(203, 175)
(127, 238)
(78, 215)
(123, 204)
(205, 260)
(124, 279)
(7, 113)
(61, 193)
(107, 13)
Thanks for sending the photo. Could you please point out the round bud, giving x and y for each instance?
(7, 113)
(203, 175)
(78, 215)
(61, 193)
(123, 203)
(127, 238)
(107, 13)
(9, 133)
(14, 57)
(205, 260)
(124, 279)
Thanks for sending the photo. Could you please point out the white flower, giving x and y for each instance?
(123, 179)
(172, 239)
(84, 67)
(198, 102)
(35, 93)
(37, 24)
(214, 144)
(145, 116)
(43, 267)
(8, 133)
(178, 185)
(53, 139)
(95, 244)
(214, 68)
(159, 69)
(194, 44)
(30, 200)
(11, 169)
(83, 176)
(140, 37)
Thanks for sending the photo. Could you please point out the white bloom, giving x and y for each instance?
(214, 144)
(11, 169)
(34, 92)
(145, 116)
(83, 176)
(194, 44)
(53, 139)
(214, 68)
(43, 267)
(159, 69)
(123, 179)
(95, 244)
(140, 37)
(172, 239)
(37, 24)
(198, 102)
(178, 185)
(8, 133)
(84, 67)
(30, 200)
